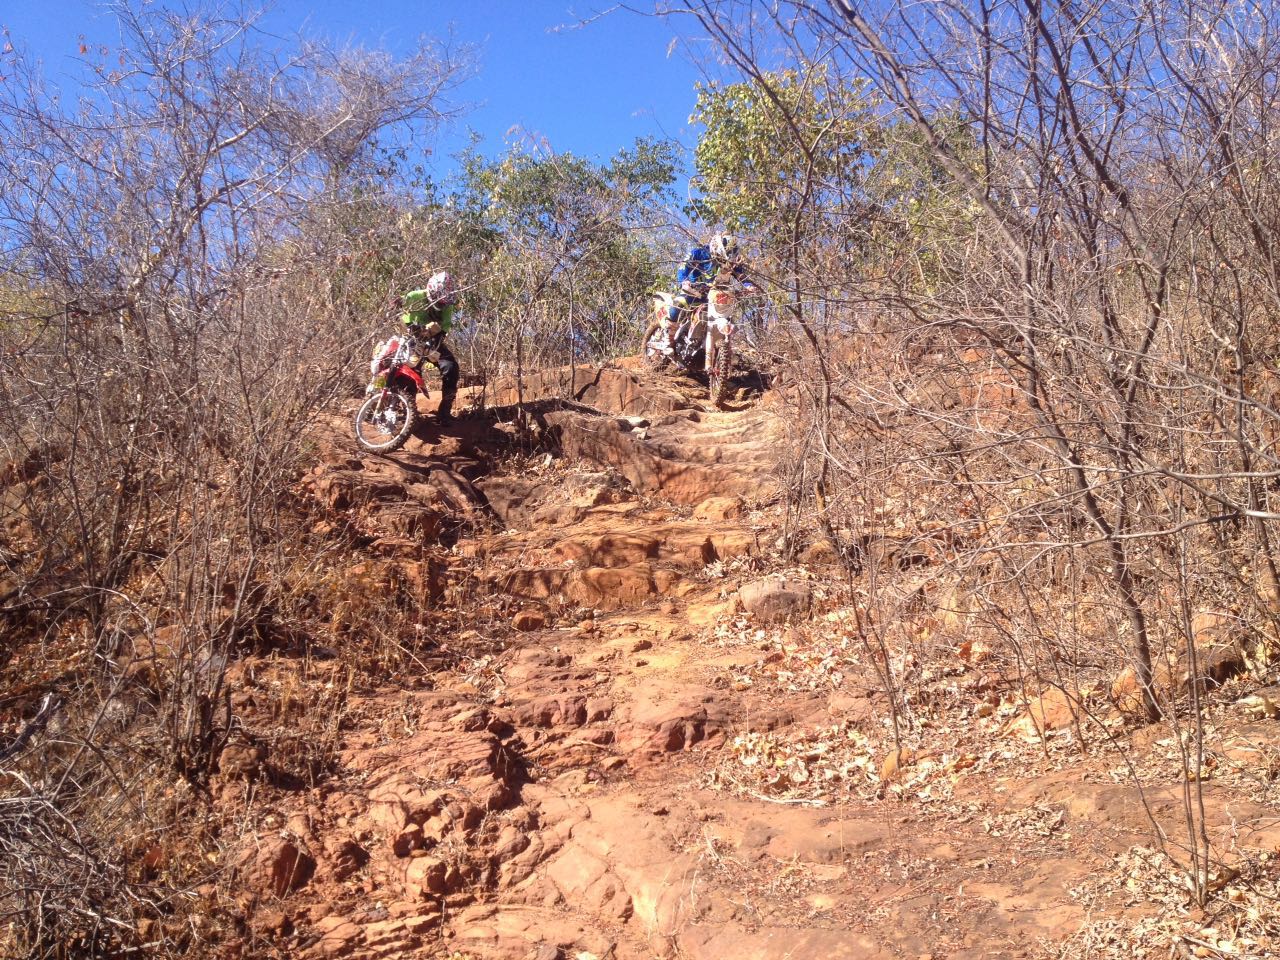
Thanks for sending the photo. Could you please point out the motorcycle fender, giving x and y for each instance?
(723, 312)
(406, 371)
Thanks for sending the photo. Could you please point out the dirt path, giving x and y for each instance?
(570, 792)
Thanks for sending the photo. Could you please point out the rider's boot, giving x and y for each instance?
(448, 365)
(444, 414)
(682, 332)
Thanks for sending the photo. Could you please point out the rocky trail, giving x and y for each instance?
(593, 769)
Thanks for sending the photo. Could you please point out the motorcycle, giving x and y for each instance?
(390, 410)
(703, 342)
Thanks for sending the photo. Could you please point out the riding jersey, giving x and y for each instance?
(700, 267)
(419, 311)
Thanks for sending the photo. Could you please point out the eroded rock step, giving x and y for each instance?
(554, 805)
(549, 821)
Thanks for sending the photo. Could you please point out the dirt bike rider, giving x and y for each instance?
(702, 266)
(428, 316)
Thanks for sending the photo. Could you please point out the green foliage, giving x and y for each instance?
(774, 146)
(553, 248)
(560, 196)
(19, 298)
(799, 157)
(561, 244)
(921, 213)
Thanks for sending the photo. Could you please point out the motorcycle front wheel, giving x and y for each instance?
(385, 420)
(718, 376)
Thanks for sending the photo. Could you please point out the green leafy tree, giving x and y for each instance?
(568, 245)
(813, 167)
(778, 146)
(917, 212)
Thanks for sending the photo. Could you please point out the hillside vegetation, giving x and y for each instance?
(953, 633)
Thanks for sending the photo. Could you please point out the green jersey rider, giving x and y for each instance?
(428, 315)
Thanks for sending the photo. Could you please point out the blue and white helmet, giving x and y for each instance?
(724, 248)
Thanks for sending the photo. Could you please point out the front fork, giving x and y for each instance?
(380, 405)
(718, 331)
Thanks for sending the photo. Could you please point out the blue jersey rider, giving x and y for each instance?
(429, 314)
(701, 268)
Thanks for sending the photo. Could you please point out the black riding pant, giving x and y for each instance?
(448, 365)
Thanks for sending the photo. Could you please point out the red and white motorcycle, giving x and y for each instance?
(702, 341)
(390, 410)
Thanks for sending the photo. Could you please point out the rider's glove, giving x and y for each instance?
(431, 329)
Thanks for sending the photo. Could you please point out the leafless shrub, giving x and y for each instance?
(171, 324)
(1076, 371)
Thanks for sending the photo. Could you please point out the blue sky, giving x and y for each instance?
(589, 90)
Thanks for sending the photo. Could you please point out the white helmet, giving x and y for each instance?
(724, 247)
(442, 290)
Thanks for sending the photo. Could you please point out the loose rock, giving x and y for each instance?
(242, 760)
(528, 620)
(776, 600)
(719, 508)
(285, 867)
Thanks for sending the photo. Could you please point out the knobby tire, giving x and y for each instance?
(366, 411)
